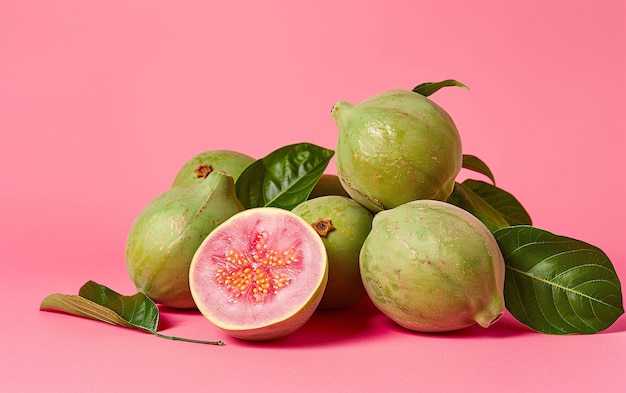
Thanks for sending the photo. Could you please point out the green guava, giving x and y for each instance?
(433, 267)
(260, 275)
(343, 225)
(328, 184)
(165, 235)
(199, 166)
(396, 147)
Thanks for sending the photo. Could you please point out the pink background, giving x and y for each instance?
(102, 101)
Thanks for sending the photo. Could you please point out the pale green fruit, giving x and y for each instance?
(343, 225)
(199, 166)
(328, 184)
(396, 147)
(167, 232)
(432, 267)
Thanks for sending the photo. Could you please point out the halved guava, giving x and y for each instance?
(260, 275)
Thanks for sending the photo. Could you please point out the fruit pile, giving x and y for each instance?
(259, 245)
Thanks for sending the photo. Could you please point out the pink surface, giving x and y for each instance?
(102, 101)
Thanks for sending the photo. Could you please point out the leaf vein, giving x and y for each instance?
(561, 287)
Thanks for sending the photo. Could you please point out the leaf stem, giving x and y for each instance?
(189, 340)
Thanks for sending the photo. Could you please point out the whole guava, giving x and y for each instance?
(198, 167)
(167, 232)
(396, 147)
(260, 275)
(433, 267)
(343, 225)
(328, 184)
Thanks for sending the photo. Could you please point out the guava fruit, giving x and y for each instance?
(328, 184)
(433, 267)
(165, 235)
(198, 167)
(396, 147)
(343, 225)
(259, 275)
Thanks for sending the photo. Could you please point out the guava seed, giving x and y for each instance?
(257, 274)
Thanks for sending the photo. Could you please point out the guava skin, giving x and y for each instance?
(351, 224)
(433, 267)
(328, 184)
(396, 147)
(228, 161)
(166, 233)
(260, 275)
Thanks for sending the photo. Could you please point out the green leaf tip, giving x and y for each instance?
(428, 88)
(475, 164)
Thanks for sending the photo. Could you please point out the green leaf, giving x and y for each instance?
(475, 164)
(283, 178)
(138, 309)
(79, 306)
(465, 198)
(558, 285)
(429, 88)
(100, 303)
(502, 201)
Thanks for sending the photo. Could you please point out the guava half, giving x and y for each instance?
(260, 275)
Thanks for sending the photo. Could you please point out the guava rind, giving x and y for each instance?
(396, 147)
(280, 312)
(352, 223)
(432, 267)
(231, 162)
(166, 233)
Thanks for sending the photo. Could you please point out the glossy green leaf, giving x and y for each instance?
(100, 303)
(463, 197)
(558, 285)
(475, 164)
(283, 178)
(138, 309)
(429, 88)
(504, 202)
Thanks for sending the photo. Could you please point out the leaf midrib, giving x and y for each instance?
(558, 286)
(298, 181)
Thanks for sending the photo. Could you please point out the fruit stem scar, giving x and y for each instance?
(202, 171)
(323, 227)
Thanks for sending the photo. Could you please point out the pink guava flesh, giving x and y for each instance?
(260, 274)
